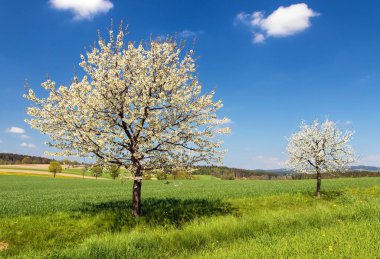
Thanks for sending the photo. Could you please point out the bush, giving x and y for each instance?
(181, 175)
(114, 171)
(161, 175)
(96, 171)
(229, 176)
(147, 176)
(75, 162)
(55, 167)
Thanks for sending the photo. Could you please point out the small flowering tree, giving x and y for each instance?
(139, 106)
(320, 148)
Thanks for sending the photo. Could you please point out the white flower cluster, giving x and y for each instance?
(320, 148)
(139, 106)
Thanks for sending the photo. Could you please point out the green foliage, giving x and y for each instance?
(66, 162)
(75, 162)
(161, 175)
(96, 171)
(228, 176)
(205, 218)
(114, 171)
(84, 170)
(147, 176)
(55, 167)
(180, 175)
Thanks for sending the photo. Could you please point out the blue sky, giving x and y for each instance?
(273, 66)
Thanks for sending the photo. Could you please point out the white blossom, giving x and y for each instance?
(320, 148)
(139, 106)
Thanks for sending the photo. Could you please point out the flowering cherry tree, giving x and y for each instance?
(320, 148)
(139, 106)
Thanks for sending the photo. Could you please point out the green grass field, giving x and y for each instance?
(78, 171)
(43, 217)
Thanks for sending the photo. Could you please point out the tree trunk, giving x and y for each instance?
(319, 181)
(136, 197)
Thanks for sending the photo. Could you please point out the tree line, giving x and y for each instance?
(15, 159)
(228, 173)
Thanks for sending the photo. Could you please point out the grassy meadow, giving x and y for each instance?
(43, 217)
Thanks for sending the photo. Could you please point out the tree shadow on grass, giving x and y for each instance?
(327, 195)
(116, 215)
(332, 195)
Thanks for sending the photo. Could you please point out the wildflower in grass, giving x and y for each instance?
(3, 246)
(330, 248)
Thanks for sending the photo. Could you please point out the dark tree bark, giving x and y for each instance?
(136, 197)
(319, 181)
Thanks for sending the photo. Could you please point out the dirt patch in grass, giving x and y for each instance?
(3, 246)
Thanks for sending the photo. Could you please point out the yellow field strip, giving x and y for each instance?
(42, 173)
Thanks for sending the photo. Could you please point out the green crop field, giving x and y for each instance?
(42, 217)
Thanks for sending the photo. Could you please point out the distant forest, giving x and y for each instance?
(14, 159)
(228, 173)
(236, 173)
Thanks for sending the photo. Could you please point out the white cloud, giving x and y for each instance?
(23, 136)
(15, 130)
(1, 141)
(83, 9)
(258, 38)
(370, 158)
(28, 145)
(283, 22)
(348, 122)
(189, 33)
(270, 161)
